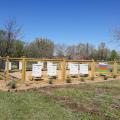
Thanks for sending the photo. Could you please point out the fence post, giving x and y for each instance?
(115, 68)
(78, 71)
(63, 70)
(0, 63)
(92, 68)
(23, 69)
(7, 68)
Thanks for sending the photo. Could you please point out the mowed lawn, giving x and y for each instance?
(93, 101)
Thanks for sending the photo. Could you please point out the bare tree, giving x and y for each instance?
(40, 48)
(13, 30)
(8, 37)
(116, 34)
(103, 52)
(12, 33)
(60, 50)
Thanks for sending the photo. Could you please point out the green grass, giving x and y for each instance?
(31, 106)
(103, 98)
(97, 101)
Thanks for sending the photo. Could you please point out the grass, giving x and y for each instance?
(95, 101)
(31, 106)
(100, 99)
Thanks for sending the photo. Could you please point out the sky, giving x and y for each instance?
(64, 21)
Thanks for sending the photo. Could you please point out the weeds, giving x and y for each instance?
(105, 77)
(82, 79)
(92, 78)
(12, 84)
(114, 76)
(50, 81)
(68, 80)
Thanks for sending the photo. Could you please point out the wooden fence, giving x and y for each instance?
(63, 62)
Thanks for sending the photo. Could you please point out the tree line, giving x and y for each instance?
(11, 44)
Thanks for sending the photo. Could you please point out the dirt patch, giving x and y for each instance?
(117, 97)
(58, 83)
(69, 103)
(115, 106)
(102, 90)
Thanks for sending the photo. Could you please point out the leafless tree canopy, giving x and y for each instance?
(11, 44)
(8, 37)
(117, 34)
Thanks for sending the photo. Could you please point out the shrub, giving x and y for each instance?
(68, 80)
(114, 76)
(105, 77)
(82, 79)
(12, 84)
(50, 81)
(92, 78)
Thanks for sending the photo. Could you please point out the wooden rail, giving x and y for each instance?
(63, 63)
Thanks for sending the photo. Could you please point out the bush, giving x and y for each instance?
(50, 81)
(114, 76)
(82, 79)
(68, 80)
(12, 84)
(92, 78)
(105, 77)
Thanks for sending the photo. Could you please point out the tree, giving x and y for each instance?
(40, 48)
(18, 48)
(71, 52)
(61, 50)
(8, 36)
(103, 52)
(114, 55)
(79, 51)
(117, 34)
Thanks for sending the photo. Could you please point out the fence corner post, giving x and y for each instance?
(92, 68)
(63, 70)
(0, 62)
(23, 69)
(115, 68)
(7, 68)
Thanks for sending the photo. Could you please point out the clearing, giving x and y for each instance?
(88, 101)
